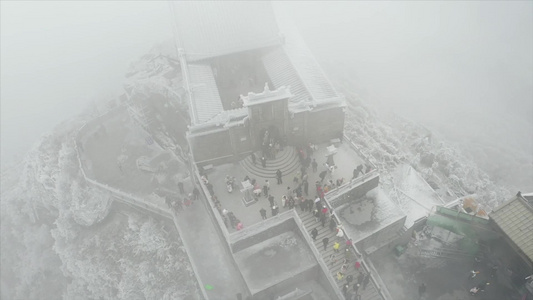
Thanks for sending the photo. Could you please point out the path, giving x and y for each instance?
(205, 248)
(309, 222)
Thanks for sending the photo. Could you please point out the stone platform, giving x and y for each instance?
(286, 161)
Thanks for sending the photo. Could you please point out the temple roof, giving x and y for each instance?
(213, 28)
(206, 100)
(281, 73)
(306, 66)
(267, 95)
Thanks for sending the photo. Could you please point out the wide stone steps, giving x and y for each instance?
(286, 161)
(335, 265)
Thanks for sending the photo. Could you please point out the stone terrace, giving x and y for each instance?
(346, 160)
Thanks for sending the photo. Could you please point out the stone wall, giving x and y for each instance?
(203, 149)
(286, 221)
(325, 124)
(286, 284)
(382, 237)
(355, 192)
(268, 231)
(297, 131)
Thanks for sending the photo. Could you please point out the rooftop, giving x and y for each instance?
(373, 213)
(414, 195)
(226, 52)
(515, 219)
(208, 29)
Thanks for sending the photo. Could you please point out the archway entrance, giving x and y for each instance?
(267, 140)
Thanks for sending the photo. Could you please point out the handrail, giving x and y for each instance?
(116, 192)
(317, 254)
(356, 148)
(131, 199)
(349, 184)
(378, 282)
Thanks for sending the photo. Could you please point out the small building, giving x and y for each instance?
(250, 81)
(515, 220)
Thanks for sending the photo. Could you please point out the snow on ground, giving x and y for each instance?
(415, 197)
(59, 225)
(372, 213)
(274, 260)
(116, 152)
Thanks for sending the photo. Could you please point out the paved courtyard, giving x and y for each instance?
(273, 260)
(346, 160)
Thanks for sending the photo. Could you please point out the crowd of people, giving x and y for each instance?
(299, 195)
(178, 203)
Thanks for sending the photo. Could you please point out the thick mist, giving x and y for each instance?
(463, 69)
(58, 56)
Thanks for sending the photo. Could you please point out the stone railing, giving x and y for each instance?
(367, 158)
(366, 264)
(130, 199)
(117, 193)
(349, 185)
(317, 254)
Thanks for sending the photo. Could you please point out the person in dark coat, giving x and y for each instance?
(310, 205)
(325, 242)
(271, 200)
(349, 279)
(314, 233)
(314, 164)
(306, 187)
(345, 290)
(253, 158)
(196, 193)
(263, 213)
(278, 176)
(180, 187)
(421, 289)
(360, 278)
(322, 175)
(275, 210)
(210, 188)
(366, 281)
(303, 204)
(356, 287)
(323, 219)
(265, 190)
(332, 224)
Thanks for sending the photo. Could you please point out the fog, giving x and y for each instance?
(58, 56)
(457, 67)
(463, 69)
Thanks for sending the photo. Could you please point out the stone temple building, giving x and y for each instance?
(247, 76)
(251, 82)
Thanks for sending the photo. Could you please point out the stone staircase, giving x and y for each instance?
(286, 161)
(308, 220)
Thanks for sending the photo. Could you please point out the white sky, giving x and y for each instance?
(437, 61)
(56, 56)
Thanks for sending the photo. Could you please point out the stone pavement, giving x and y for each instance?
(346, 160)
(335, 263)
(206, 250)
